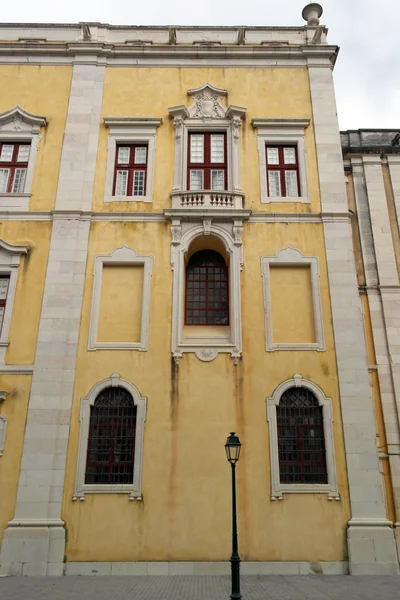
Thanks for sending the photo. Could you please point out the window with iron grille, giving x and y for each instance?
(130, 170)
(14, 160)
(207, 299)
(206, 162)
(111, 443)
(301, 441)
(282, 171)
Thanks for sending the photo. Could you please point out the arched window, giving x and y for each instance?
(111, 441)
(207, 298)
(301, 440)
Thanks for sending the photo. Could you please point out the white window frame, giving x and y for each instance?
(10, 258)
(207, 114)
(19, 126)
(206, 348)
(282, 132)
(130, 130)
(3, 431)
(278, 488)
(121, 256)
(291, 257)
(134, 488)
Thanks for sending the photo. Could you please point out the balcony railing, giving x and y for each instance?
(203, 199)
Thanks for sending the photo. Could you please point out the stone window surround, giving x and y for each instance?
(3, 423)
(130, 130)
(282, 131)
(291, 257)
(10, 258)
(135, 488)
(18, 125)
(121, 256)
(206, 349)
(196, 118)
(277, 488)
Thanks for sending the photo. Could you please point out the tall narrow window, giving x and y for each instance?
(207, 301)
(130, 170)
(207, 161)
(111, 443)
(301, 441)
(4, 284)
(282, 171)
(13, 166)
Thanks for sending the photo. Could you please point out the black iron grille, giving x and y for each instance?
(207, 289)
(301, 438)
(111, 444)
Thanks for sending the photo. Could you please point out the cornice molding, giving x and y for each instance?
(132, 121)
(280, 123)
(18, 113)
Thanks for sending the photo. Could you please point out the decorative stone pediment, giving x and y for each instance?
(207, 102)
(19, 120)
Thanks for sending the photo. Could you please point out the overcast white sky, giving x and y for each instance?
(367, 72)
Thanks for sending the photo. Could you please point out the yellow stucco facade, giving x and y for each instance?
(194, 392)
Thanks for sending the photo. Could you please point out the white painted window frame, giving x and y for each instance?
(278, 489)
(292, 258)
(3, 431)
(206, 349)
(130, 130)
(121, 256)
(19, 126)
(282, 131)
(134, 488)
(10, 258)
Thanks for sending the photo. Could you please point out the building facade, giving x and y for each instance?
(177, 263)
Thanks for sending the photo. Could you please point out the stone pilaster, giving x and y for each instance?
(34, 542)
(371, 541)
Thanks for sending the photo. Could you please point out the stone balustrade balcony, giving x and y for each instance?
(207, 199)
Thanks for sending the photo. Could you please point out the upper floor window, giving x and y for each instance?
(111, 443)
(14, 158)
(207, 299)
(282, 171)
(206, 163)
(301, 440)
(4, 284)
(130, 170)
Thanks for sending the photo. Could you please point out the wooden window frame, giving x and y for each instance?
(207, 166)
(13, 165)
(131, 167)
(282, 167)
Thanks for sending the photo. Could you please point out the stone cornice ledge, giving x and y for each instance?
(16, 369)
(132, 121)
(199, 214)
(279, 123)
(36, 523)
(270, 217)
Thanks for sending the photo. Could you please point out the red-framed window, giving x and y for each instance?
(301, 440)
(130, 175)
(207, 285)
(13, 166)
(207, 163)
(111, 443)
(282, 171)
(4, 284)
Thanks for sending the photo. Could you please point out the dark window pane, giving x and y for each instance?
(207, 289)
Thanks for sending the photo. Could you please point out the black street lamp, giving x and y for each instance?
(232, 448)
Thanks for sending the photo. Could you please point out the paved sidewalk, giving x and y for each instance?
(200, 587)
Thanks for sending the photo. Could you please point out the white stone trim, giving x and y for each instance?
(3, 427)
(18, 125)
(206, 349)
(207, 113)
(135, 488)
(278, 488)
(282, 131)
(121, 256)
(130, 130)
(10, 258)
(291, 257)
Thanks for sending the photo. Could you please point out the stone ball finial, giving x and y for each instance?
(311, 13)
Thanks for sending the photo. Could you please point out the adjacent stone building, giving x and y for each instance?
(180, 259)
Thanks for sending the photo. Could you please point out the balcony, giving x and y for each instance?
(207, 200)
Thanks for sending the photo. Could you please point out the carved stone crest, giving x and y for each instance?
(207, 103)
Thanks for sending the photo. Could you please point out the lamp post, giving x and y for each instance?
(232, 448)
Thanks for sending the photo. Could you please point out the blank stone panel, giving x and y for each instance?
(120, 316)
(292, 305)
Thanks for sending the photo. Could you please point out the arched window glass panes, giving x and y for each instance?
(207, 298)
(111, 443)
(301, 441)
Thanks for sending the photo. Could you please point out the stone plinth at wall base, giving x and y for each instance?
(372, 548)
(204, 568)
(32, 548)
